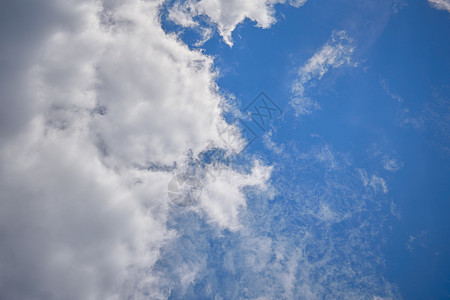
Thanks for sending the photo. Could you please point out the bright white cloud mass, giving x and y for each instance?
(105, 107)
(94, 93)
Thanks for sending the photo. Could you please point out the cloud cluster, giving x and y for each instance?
(99, 107)
(317, 239)
(377, 183)
(337, 51)
(440, 4)
(227, 14)
(391, 164)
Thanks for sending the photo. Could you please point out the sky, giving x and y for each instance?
(224, 149)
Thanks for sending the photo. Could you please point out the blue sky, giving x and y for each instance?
(132, 165)
(390, 103)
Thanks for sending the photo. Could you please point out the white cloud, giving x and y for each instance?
(385, 85)
(328, 213)
(223, 197)
(72, 227)
(95, 93)
(305, 105)
(363, 176)
(271, 145)
(336, 52)
(377, 183)
(417, 240)
(227, 14)
(440, 4)
(391, 164)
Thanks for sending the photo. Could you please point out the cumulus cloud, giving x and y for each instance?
(70, 226)
(440, 4)
(99, 109)
(227, 14)
(336, 52)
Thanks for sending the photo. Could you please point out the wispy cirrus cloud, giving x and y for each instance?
(316, 238)
(322, 221)
(391, 164)
(431, 119)
(336, 52)
(377, 183)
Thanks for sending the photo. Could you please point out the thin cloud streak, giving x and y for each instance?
(336, 52)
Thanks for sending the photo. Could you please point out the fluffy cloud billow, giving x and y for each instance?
(227, 14)
(99, 109)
